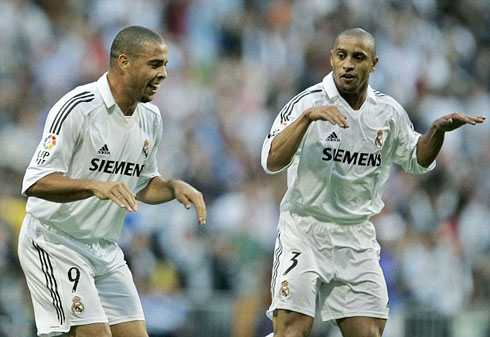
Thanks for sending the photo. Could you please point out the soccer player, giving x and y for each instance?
(338, 140)
(97, 156)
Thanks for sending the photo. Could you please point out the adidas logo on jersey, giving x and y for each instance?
(333, 137)
(104, 150)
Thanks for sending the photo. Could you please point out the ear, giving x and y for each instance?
(331, 55)
(374, 65)
(123, 62)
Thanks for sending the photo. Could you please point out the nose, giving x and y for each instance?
(348, 64)
(162, 73)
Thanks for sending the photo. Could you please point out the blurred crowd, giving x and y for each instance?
(233, 64)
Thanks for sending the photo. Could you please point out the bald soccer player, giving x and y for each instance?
(338, 140)
(97, 156)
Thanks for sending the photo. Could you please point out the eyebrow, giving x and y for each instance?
(159, 61)
(362, 52)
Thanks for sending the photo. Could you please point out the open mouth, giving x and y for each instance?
(348, 76)
(154, 86)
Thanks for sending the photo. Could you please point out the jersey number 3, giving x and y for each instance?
(295, 262)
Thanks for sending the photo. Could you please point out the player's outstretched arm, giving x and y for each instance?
(159, 191)
(286, 143)
(57, 188)
(430, 143)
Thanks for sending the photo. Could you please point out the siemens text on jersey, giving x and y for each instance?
(356, 158)
(116, 167)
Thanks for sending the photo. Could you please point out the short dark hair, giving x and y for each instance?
(129, 41)
(361, 33)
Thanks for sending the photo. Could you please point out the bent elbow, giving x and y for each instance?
(273, 166)
(31, 191)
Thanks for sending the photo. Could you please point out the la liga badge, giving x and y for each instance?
(49, 142)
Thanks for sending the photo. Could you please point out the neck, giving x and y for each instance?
(355, 100)
(121, 95)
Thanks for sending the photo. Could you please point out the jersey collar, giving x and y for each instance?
(105, 90)
(333, 93)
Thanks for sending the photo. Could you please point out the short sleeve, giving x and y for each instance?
(59, 140)
(150, 169)
(405, 150)
(293, 109)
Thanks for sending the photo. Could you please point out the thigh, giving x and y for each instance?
(290, 323)
(361, 326)
(129, 329)
(119, 297)
(90, 330)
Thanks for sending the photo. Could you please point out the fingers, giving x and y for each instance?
(463, 118)
(471, 119)
(184, 200)
(479, 119)
(200, 206)
(456, 120)
(340, 120)
(196, 198)
(122, 196)
(331, 114)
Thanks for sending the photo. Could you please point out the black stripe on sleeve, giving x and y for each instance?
(288, 109)
(62, 113)
(291, 102)
(63, 108)
(58, 128)
(49, 277)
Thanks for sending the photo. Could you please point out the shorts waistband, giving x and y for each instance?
(53, 231)
(317, 221)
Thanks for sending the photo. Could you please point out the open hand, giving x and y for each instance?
(328, 113)
(456, 120)
(187, 195)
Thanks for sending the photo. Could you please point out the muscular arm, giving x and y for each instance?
(159, 191)
(286, 143)
(429, 144)
(57, 188)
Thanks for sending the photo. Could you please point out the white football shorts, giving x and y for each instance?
(73, 282)
(333, 266)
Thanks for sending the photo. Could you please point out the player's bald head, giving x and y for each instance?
(360, 33)
(130, 40)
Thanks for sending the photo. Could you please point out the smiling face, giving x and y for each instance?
(353, 59)
(146, 70)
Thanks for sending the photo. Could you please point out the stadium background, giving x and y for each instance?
(233, 65)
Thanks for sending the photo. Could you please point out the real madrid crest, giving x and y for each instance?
(379, 139)
(77, 306)
(146, 149)
(284, 291)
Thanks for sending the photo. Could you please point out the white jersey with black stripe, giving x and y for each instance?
(86, 136)
(339, 175)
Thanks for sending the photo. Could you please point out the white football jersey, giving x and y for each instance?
(86, 136)
(339, 175)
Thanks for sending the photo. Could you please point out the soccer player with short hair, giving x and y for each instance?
(96, 158)
(338, 140)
